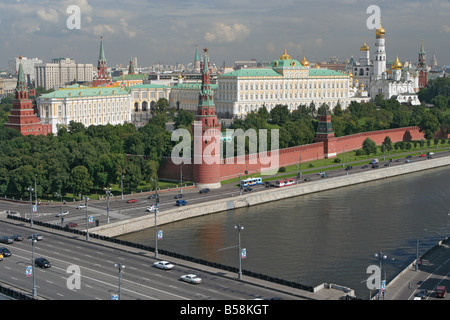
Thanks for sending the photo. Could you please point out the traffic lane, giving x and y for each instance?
(99, 276)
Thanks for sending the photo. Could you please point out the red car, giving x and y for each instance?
(132, 200)
(422, 155)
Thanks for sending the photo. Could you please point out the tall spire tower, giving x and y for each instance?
(23, 117)
(206, 130)
(196, 61)
(102, 77)
(422, 67)
(379, 63)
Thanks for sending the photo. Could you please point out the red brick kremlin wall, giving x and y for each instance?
(230, 168)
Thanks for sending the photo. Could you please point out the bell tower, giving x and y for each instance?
(102, 77)
(206, 130)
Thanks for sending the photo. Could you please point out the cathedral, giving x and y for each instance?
(400, 81)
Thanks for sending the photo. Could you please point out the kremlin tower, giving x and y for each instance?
(23, 117)
(102, 77)
(206, 128)
(422, 68)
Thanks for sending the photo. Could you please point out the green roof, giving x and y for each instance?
(86, 92)
(137, 76)
(325, 73)
(252, 73)
(147, 86)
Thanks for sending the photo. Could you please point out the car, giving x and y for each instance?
(324, 175)
(247, 189)
(71, 224)
(374, 161)
(152, 208)
(441, 291)
(267, 184)
(365, 166)
(12, 212)
(165, 265)
(422, 294)
(349, 168)
(42, 263)
(36, 236)
(181, 203)
(62, 213)
(17, 237)
(408, 160)
(387, 164)
(132, 201)
(321, 173)
(375, 165)
(6, 239)
(205, 190)
(422, 155)
(307, 179)
(408, 157)
(1, 257)
(191, 278)
(179, 196)
(81, 206)
(430, 153)
(5, 252)
(153, 196)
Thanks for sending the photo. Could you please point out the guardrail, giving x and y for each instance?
(256, 275)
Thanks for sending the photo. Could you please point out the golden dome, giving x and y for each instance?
(380, 31)
(397, 65)
(304, 62)
(365, 47)
(317, 66)
(285, 56)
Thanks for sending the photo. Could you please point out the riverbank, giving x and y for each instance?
(267, 195)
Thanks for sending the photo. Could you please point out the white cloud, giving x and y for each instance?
(445, 28)
(50, 16)
(222, 33)
(124, 25)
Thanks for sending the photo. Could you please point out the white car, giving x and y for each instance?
(191, 278)
(153, 208)
(81, 206)
(165, 265)
(62, 213)
(321, 173)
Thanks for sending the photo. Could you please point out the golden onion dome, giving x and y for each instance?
(304, 62)
(397, 65)
(285, 56)
(380, 31)
(364, 47)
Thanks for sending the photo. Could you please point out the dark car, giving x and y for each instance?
(17, 237)
(267, 184)
(365, 166)
(206, 190)
(42, 263)
(375, 165)
(349, 168)
(422, 294)
(248, 189)
(408, 157)
(179, 196)
(5, 252)
(6, 239)
(307, 179)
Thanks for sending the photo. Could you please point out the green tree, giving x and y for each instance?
(429, 125)
(369, 146)
(80, 180)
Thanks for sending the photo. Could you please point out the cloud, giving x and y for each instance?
(50, 16)
(445, 28)
(124, 25)
(222, 33)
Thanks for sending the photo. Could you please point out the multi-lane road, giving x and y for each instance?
(119, 209)
(87, 270)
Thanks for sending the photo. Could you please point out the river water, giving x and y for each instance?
(329, 236)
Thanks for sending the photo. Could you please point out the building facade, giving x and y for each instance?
(62, 71)
(86, 105)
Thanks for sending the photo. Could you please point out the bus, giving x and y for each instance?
(251, 182)
(284, 183)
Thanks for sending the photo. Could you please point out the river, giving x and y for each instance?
(329, 236)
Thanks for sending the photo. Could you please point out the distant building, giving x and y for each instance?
(28, 65)
(61, 72)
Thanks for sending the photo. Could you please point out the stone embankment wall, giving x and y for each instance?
(268, 195)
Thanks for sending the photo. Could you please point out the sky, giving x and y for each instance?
(168, 31)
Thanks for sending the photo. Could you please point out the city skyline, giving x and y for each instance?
(167, 32)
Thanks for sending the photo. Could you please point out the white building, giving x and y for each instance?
(28, 66)
(62, 71)
(287, 82)
(87, 105)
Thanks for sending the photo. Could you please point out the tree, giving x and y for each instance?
(369, 146)
(183, 119)
(429, 125)
(80, 180)
(279, 114)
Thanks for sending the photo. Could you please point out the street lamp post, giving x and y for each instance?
(108, 193)
(30, 190)
(34, 290)
(239, 228)
(87, 218)
(380, 256)
(120, 267)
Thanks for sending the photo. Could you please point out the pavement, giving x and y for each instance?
(432, 271)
